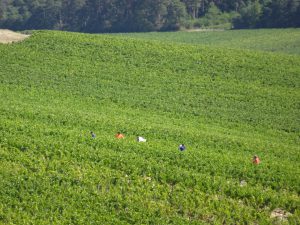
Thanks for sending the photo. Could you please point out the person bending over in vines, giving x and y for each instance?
(256, 160)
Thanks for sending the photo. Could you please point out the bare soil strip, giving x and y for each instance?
(8, 36)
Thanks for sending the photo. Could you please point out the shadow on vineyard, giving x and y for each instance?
(226, 105)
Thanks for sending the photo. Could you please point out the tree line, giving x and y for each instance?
(96, 16)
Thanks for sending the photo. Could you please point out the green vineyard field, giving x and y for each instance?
(271, 40)
(224, 104)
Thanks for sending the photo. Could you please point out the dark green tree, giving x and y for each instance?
(249, 16)
(176, 13)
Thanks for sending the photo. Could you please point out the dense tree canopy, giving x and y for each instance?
(146, 15)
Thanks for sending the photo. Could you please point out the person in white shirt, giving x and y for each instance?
(140, 139)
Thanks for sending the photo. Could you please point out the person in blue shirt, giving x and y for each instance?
(182, 147)
(93, 134)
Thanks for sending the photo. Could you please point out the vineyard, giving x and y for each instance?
(226, 105)
(272, 40)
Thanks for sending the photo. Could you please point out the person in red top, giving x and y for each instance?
(119, 135)
(256, 160)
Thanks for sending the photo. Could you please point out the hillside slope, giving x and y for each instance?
(271, 40)
(225, 105)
